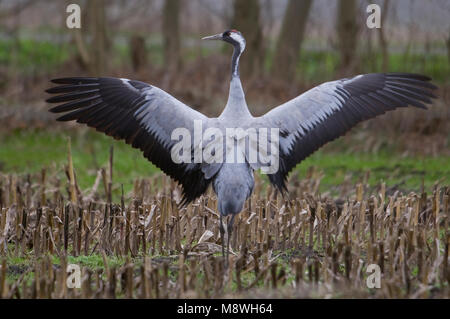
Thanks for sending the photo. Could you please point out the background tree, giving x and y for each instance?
(138, 52)
(92, 40)
(448, 46)
(246, 19)
(171, 34)
(100, 36)
(347, 31)
(290, 39)
(382, 37)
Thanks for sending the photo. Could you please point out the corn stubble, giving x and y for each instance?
(302, 246)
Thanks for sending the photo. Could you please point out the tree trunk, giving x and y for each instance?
(100, 42)
(448, 47)
(382, 37)
(290, 39)
(92, 39)
(246, 19)
(171, 34)
(138, 52)
(347, 28)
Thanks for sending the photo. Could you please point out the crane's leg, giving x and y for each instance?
(229, 231)
(222, 232)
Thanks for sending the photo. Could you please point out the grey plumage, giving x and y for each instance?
(329, 110)
(145, 116)
(233, 185)
(142, 115)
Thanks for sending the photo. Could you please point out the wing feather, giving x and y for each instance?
(142, 115)
(329, 110)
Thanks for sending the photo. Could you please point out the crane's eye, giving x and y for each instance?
(227, 34)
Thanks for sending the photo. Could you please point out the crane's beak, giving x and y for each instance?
(214, 37)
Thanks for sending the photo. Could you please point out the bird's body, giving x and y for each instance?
(233, 184)
(146, 117)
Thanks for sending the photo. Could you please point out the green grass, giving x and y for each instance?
(93, 262)
(434, 65)
(318, 66)
(17, 265)
(28, 151)
(406, 172)
(30, 55)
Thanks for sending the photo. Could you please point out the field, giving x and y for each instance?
(367, 215)
(112, 214)
(378, 196)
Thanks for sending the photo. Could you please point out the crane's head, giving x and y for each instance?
(234, 37)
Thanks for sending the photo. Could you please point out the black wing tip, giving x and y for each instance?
(417, 78)
(185, 201)
(53, 99)
(74, 80)
(53, 109)
(432, 86)
(61, 108)
(64, 118)
(414, 76)
(279, 180)
(65, 81)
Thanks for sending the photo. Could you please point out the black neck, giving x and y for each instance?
(235, 60)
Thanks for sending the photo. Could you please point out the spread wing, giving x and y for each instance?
(142, 115)
(329, 110)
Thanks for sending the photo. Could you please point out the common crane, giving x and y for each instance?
(146, 117)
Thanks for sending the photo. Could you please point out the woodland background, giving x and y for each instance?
(291, 47)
